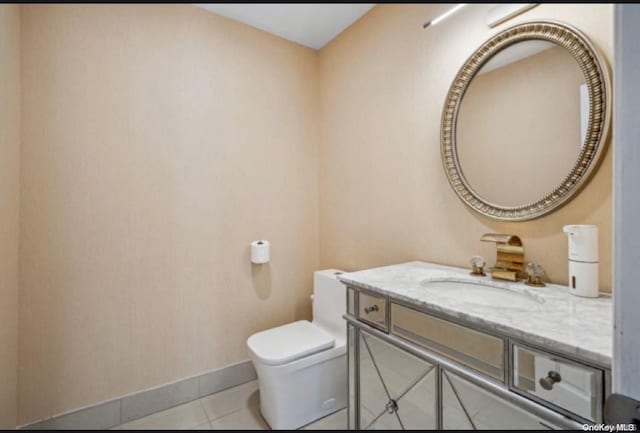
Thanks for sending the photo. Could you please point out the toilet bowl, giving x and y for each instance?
(302, 366)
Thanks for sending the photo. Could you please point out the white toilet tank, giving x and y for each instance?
(329, 301)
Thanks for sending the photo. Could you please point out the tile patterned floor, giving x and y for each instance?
(233, 409)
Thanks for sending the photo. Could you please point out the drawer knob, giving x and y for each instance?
(371, 309)
(391, 406)
(552, 377)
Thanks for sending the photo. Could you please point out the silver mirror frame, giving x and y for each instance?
(596, 76)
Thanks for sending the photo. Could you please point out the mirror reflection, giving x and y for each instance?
(522, 123)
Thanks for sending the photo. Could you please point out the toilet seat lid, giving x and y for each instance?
(289, 342)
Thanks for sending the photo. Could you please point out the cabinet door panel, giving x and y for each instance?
(482, 409)
(386, 421)
(417, 409)
(454, 413)
(397, 389)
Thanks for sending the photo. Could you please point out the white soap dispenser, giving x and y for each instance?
(583, 260)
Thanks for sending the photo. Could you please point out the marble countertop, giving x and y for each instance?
(545, 316)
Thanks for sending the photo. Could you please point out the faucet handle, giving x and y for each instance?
(477, 265)
(535, 272)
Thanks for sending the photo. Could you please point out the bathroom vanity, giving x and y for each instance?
(431, 347)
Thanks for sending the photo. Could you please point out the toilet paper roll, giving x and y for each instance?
(260, 252)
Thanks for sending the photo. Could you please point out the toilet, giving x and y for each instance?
(302, 366)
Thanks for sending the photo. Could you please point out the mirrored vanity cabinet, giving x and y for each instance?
(421, 363)
(524, 127)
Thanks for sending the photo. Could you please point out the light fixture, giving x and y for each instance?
(506, 11)
(439, 18)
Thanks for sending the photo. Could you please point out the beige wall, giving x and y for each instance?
(513, 148)
(384, 197)
(159, 142)
(9, 209)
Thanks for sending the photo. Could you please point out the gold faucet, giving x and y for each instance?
(509, 258)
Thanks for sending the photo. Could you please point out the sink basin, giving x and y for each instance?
(484, 293)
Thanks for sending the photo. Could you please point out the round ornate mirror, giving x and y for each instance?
(525, 121)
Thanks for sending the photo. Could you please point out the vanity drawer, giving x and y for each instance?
(351, 301)
(467, 346)
(373, 310)
(560, 383)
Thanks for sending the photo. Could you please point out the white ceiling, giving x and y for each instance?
(312, 25)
